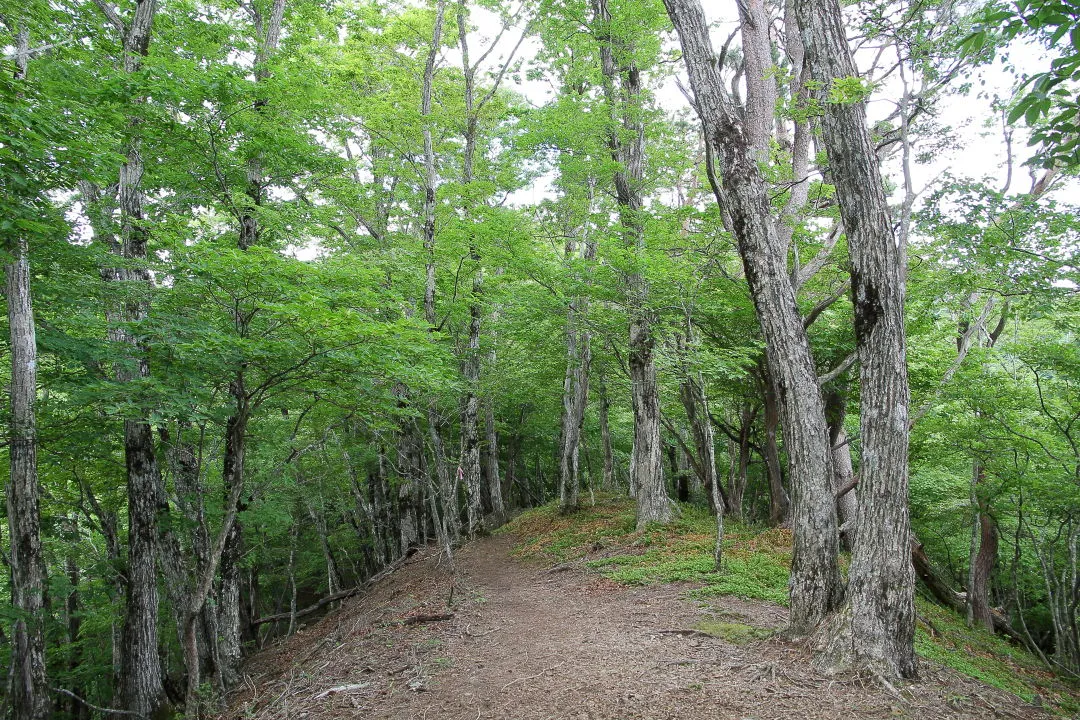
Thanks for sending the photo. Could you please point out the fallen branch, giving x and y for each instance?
(418, 619)
(341, 688)
(92, 706)
(344, 594)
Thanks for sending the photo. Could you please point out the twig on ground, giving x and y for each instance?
(682, 631)
(533, 677)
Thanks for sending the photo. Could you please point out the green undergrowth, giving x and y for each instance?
(757, 562)
(603, 537)
(943, 637)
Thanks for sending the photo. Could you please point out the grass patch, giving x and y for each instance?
(987, 657)
(734, 633)
(757, 563)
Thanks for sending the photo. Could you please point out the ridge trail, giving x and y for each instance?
(529, 643)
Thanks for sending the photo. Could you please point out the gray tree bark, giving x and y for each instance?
(881, 580)
(843, 472)
(470, 434)
(815, 578)
(268, 32)
(491, 448)
(141, 686)
(983, 556)
(575, 397)
(696, 404)
(429, 166)
(608, 481)
(647, 483)
(779, 502)
(28, 685)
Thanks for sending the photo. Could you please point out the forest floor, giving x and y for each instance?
(527, 640)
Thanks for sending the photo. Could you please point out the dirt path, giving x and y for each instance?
(529, 643)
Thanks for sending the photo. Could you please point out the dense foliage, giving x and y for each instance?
(359, 321)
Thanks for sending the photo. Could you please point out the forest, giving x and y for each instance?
(295, 287)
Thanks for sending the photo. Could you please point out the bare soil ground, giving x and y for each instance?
(526, 642)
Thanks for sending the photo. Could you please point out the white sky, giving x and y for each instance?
(981, 155)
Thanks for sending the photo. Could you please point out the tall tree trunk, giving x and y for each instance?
(737, 481)
(230, 621)
(408, 491)
(470, 435)
(429, 166)
(184, 460)
(605, 438)
(230, 630)
(653, 504)
(29, 686)
(815, 575)
(696, 404)
(447, 486)
(491, 446)
(141, 685)
(575, 397)
(881, 583)
(984, 531)
(779, 503)
(983, 557)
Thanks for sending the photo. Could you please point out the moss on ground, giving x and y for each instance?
(734, 633)
(757, 563)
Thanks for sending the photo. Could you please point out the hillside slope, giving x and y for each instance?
(522, 638)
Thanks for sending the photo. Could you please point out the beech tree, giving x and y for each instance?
(307, 286)
(815, 573)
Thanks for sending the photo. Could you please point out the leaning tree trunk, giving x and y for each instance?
(843, 472)
(815, 584)
(881, 580)
(29, 690)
